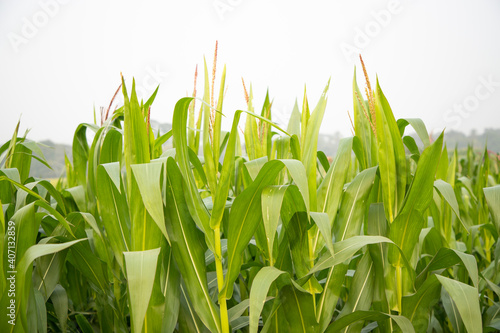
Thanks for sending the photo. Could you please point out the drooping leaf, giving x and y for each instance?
(447, 192)
(466, 300)
(140, 268)
(148, 181)
(417, 307)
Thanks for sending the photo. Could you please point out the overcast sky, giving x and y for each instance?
(436, 60)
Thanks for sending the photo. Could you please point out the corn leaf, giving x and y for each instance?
(140, 268)
(466, 300)
(188, 248)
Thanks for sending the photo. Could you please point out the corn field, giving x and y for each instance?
(258, 232)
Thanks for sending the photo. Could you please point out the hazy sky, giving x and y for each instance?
(436, 60)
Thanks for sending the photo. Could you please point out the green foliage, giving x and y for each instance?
(390, 234)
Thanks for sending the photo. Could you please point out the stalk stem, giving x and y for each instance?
(270, 251)
(311, 261)
(223, 315)
(220, 281)
(399, 287)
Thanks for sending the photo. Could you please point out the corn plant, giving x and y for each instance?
(262, 232)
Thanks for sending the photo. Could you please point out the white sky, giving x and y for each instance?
(432, 57)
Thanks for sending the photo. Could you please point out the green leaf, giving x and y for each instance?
(294, 121)
(60, 301)
(330, 190)
(78, 195)
(406, 228)
(146, 233)
(398, 147)
(272, 197)
(299, 309)
(22, 267)
(194, 201)
(296, 223)
(136, 145)
(466, 299)
(39, 250)
(140, 268)
(346, 249)
(41, 312)
(343, 250)
(171, 292)
(188, 320)
(412, 147)
(188, 248)
(262, 282)
(310, 147)
(147, 177)
(151, 99)
(377, 226)
(112, 147)
(114, 210)
(254, 166)
(353, 206)
(347, 320)
(162, 139)
(448, 257)
(451, 310)
(323, 223)
(361, 289)
(42, 203)
(81, 152)
(448, 194)
(387, 164)
(239, 323)
(492, 195)
(83, 324)
(84, 259)
(25, 221)
(357, 148)
(417, 307)
(252, 145)
(363, 145)
(237, 310)
(419, 127)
